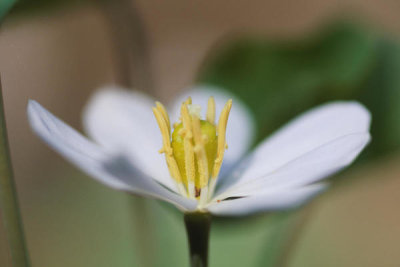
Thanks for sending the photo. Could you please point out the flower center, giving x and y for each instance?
(206, 145)
(195, 151)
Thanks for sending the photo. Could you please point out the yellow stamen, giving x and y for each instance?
(201, 155)
(162, 124)
(167, 149)
(188, 149)
(188, 101)
(164, 112)
(221, 130)
(211, 111)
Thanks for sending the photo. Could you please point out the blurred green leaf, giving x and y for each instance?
(381, 94)
(278, 80)
(27, 6)
(5, 6)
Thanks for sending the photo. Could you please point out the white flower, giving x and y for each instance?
(280, 173)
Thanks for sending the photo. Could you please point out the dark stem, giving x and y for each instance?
(198, 231)
(8, 199)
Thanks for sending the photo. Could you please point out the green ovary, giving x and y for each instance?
(210, 146)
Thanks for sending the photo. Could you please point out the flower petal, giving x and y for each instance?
(309, 168)
(123, 122)
(241, 127)
(270, 201)
(110, 170)
(316, 128)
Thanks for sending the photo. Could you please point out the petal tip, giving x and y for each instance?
(356, 108)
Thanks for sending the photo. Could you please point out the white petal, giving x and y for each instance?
(122, 121)
(309, 168)
(113, 171)
(314, 129)
(241, 127)
(270, 201)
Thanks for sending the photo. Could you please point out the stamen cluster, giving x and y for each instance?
(195, 150)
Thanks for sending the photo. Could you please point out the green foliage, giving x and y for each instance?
(5, 6)
(27, 6)
(279, 80)
(381, 94)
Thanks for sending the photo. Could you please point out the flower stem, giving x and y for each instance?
(8, 199)
(198, 230)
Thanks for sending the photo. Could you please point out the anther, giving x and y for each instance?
(171, 162)
(221, 130)
(188, 101)
(164, 113)
(211, 111)
(188, 148)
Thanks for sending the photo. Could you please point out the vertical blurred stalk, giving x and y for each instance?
(286, 232)
(130, 44)
(8, 199)
(198, 231)
(143, 230)
(294, 237)
(132, 54)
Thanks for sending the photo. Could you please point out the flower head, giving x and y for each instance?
(196, 172)
(195, 151)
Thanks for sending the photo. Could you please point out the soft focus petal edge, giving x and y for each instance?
(94, 161)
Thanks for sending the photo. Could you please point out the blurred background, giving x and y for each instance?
(281, 57)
